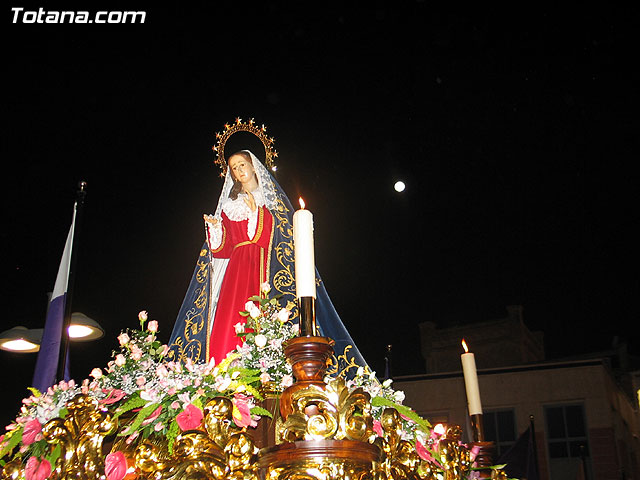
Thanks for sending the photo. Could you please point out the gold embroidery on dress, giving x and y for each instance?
(195, 321)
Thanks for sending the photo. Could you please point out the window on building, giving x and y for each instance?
(566, 431)
(500, 427)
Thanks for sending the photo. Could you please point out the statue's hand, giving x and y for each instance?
(211, 219)
(250, 201)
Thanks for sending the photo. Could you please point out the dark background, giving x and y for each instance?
(515, 132)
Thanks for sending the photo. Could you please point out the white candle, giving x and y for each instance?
(471, 381)
(303, 253)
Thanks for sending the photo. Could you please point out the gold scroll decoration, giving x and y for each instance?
(334, 412)
(187, 345)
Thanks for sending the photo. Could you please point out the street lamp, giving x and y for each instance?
(24, 340)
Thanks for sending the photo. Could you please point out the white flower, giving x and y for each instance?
(260, 340)
(239, 327)
(96, 373)
(283, 315)
(265, 287)
(254, 311)
(398, 396)
(143, 316)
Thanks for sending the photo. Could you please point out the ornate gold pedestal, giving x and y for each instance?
(320, 460)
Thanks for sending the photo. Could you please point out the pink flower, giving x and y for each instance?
(123, 338)
(114, 395)
(120, 360)
(96, 373)
(425, 454)
(242, 412)
(377, 427)
(143, 316)
(140, 381)
(115, 466)
(190, 418)
(136, 352)
(37, 469)
(287, 381)
(265, 377)
(31, 431)
(152, 326)
(153, 416)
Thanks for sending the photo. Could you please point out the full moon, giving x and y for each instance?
(399, 186)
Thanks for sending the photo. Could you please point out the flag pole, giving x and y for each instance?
(64, 339)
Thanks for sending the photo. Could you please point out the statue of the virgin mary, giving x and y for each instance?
(249, 242)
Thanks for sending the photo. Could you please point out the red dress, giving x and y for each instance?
(247, 269)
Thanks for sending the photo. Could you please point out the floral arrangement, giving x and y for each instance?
(265, 333)
(164, 398)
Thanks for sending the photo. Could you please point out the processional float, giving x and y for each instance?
(148, 415)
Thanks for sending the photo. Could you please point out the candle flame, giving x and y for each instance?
(464, 345)
(301, 203)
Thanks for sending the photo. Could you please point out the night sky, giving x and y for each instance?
(515, 132)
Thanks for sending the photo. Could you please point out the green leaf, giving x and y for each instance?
(403, 410)
(134, 401)
(141, 417)
(12, 439)
(261, 411)
(54, 455)
(172, 433)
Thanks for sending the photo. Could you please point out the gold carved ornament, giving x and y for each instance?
(333, 412)
(217, 451)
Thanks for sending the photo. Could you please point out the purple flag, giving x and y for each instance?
(47, 362)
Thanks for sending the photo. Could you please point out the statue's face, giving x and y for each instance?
(241, 169)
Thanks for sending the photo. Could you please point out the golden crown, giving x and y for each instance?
(240, 126)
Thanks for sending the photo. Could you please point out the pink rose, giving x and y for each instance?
(190, 418)
(37, 469)
(152, 326)
(123, 338)
(140, 381)
(120, 360)
(143, 316)
(31, 431)
(115, 466)
(96, 373)
(242, 412)
(136, 352)
(287, 381)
